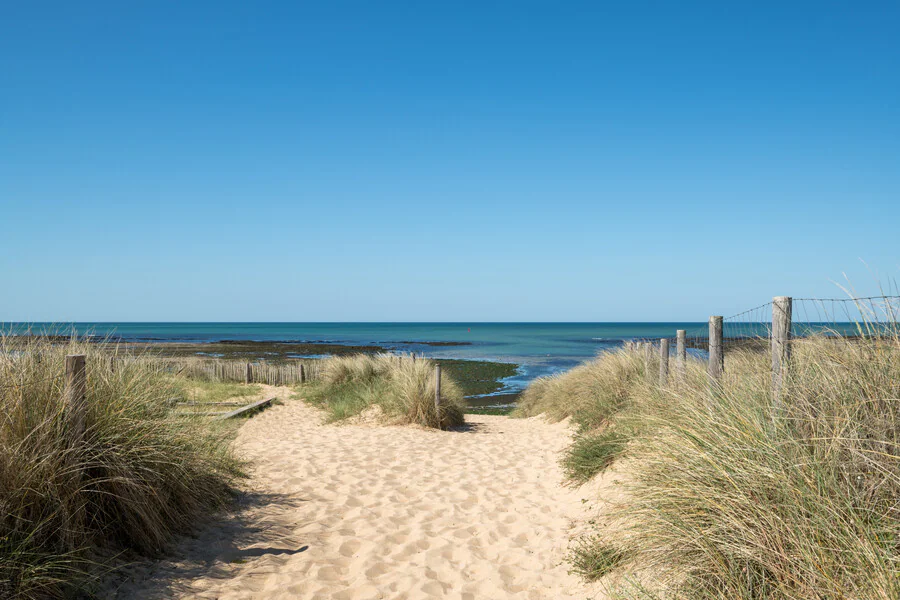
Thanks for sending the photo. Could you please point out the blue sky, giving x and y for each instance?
(497, 161)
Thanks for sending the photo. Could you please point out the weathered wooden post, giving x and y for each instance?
(663, 362)
(302, 374)
(648, 362)
(782, 307)
(437, 393)
(680, 353)
(716, 353)
(75, 391)
(249, 377)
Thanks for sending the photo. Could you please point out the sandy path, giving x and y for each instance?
(363, 511)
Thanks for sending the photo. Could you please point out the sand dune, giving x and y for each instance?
(366, 511)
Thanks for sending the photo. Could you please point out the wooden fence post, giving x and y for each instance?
(680, 353)
(648, 362)
(716, 352)
(782, 307)
(302, 374)
(249, 376)
(75, 391)
(437, 392)
(663, 362)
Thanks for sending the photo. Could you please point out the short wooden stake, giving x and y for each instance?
(716, 353)
(680, 354)
(437, 392)
(75, 391)
(648, 362)
(782, 307)
(663, 362)
(249, 376)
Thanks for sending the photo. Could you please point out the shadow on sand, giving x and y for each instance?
(216, 550)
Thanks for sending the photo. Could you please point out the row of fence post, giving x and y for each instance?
(780, 347)
(249, 376)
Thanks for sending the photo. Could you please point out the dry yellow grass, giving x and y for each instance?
(132, 479)
(403, 388)
(731, 497)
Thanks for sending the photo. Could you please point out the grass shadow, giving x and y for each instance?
(218, 549)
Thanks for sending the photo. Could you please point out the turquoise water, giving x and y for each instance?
(539, 348)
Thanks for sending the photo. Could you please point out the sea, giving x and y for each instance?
(537, 348)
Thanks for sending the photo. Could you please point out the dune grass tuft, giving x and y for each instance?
(591, 453)
(592, 557)
(590, 393)
(216, 391)
(401, 387)
(734, 495)
(135, 477)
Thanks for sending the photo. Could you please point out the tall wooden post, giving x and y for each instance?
(75, 391)
(680, 353)
(302, 374)
(716, 352)
(437, 393)
(664, 362)
(782, 307)
(249, 377)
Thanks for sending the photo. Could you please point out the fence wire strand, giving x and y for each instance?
(848, 317)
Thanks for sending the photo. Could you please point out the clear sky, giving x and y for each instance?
(347, 161)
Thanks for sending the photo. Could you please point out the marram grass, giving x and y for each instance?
(732, 495)
(402, 388)
(135, 477)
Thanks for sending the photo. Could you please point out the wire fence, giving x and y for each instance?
(772, 327)
(846, 317)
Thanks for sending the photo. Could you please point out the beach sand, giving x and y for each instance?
(356, 511)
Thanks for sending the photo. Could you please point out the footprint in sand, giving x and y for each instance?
(472, 515)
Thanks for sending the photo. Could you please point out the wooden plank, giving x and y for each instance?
(223, 403)
(248, 408)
